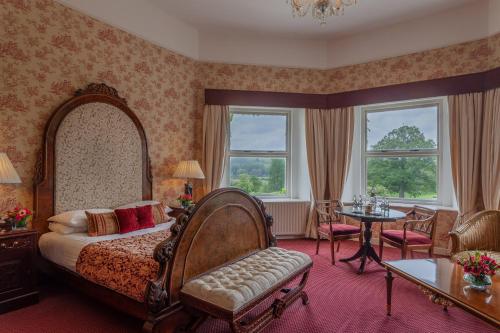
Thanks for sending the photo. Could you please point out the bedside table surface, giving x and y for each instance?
(17, 232)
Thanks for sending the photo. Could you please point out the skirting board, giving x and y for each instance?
(437, 250)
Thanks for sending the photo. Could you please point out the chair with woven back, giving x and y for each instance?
(480, 232)
(331, 226)
(418, 232)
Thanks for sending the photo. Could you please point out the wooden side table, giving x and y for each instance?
(18, 278)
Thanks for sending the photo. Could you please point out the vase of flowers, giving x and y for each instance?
(185, 200)
(478, 270)
(19, 217)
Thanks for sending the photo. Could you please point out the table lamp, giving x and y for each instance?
(8, 174)
(189, 170)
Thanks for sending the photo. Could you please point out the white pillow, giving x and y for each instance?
(76, 218)
(144, 203)
(64, 229)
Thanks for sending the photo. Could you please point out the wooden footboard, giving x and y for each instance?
(224, 226)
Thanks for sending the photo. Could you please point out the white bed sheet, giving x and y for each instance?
(65, 249)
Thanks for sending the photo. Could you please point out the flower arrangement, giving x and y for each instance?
(20, 216)
(478, 269)
(185, 200)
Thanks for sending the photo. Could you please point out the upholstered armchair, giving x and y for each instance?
(480, 232)
(418, 232)
(330, 226)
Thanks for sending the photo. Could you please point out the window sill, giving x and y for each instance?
(283, 200)
(411, 204)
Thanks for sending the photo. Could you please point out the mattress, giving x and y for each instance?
(64, 250)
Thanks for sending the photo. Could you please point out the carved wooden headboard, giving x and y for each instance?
(94, 155)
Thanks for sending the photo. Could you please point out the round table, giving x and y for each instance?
(366, 250)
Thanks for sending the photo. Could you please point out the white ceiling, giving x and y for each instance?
(275, 16)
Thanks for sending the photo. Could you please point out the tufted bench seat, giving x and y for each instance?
(233, 290)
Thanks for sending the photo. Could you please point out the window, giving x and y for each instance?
(259, 151)
(401, 150)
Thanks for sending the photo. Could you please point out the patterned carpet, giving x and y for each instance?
(340, 301)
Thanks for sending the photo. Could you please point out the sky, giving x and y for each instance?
(268, 132)
(258, 132)
(381, 123)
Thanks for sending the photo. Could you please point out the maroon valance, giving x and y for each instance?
(422, 89)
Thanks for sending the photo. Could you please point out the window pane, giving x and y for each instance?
(258, 132)
(403, 177)
(258, 175)
(402, 129)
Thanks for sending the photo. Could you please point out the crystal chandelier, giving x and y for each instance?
(320, 9)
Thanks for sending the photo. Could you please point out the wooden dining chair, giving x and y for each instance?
(329, 225)
(418, 232)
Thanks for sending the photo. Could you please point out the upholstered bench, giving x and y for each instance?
(230, 292)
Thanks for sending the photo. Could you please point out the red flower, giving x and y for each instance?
(479, 265)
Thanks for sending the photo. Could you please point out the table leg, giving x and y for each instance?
(388, 279)
(366, 251)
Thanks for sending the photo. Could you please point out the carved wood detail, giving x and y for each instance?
(156, 291)
(100, 89)
(39, 171)
(16, 243)
(269, 222)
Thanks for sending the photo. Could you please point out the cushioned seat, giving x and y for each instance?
(232, 287)
(340, 229)
(412, 238)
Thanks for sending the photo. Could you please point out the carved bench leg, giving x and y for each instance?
(275, 311)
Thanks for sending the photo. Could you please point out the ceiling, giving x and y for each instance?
(275, 16)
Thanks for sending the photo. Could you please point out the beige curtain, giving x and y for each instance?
(215, 129)
(329, 135)
(466, 123)
(490, 152)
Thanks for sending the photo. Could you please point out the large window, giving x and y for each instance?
(259, 151)
(400, 150)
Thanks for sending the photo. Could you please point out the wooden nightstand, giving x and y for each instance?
(18, 280)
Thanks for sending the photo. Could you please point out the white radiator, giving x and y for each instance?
(290, 217)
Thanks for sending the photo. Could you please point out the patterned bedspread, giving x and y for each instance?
(123, 265)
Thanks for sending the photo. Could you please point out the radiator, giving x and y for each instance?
(290, 217)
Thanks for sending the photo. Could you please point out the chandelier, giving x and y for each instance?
(320, 9)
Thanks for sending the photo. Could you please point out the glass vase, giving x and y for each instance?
(478, 282)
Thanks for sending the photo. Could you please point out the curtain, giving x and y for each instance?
(215, 129)
(490, 152)
(329, 135)
(466, 123)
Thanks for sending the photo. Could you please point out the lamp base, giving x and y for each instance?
(188, 188)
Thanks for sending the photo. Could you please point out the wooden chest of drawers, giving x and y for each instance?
(18, 280)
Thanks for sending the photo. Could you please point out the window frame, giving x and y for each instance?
(287, 154)
(438, 152)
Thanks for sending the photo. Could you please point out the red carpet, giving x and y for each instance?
(340, 301)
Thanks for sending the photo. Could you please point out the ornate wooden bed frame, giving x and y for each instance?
(217, 222)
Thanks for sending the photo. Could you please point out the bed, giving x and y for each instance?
(95, 154)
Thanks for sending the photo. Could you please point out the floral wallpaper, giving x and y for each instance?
(465, 58)
(494, 47)
(47, 51)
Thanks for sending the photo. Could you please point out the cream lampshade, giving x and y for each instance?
(8, 174)
(189, 170)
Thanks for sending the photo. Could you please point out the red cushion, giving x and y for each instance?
(412, 238)
(145, 217)
(340, 229)
(127, 218)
